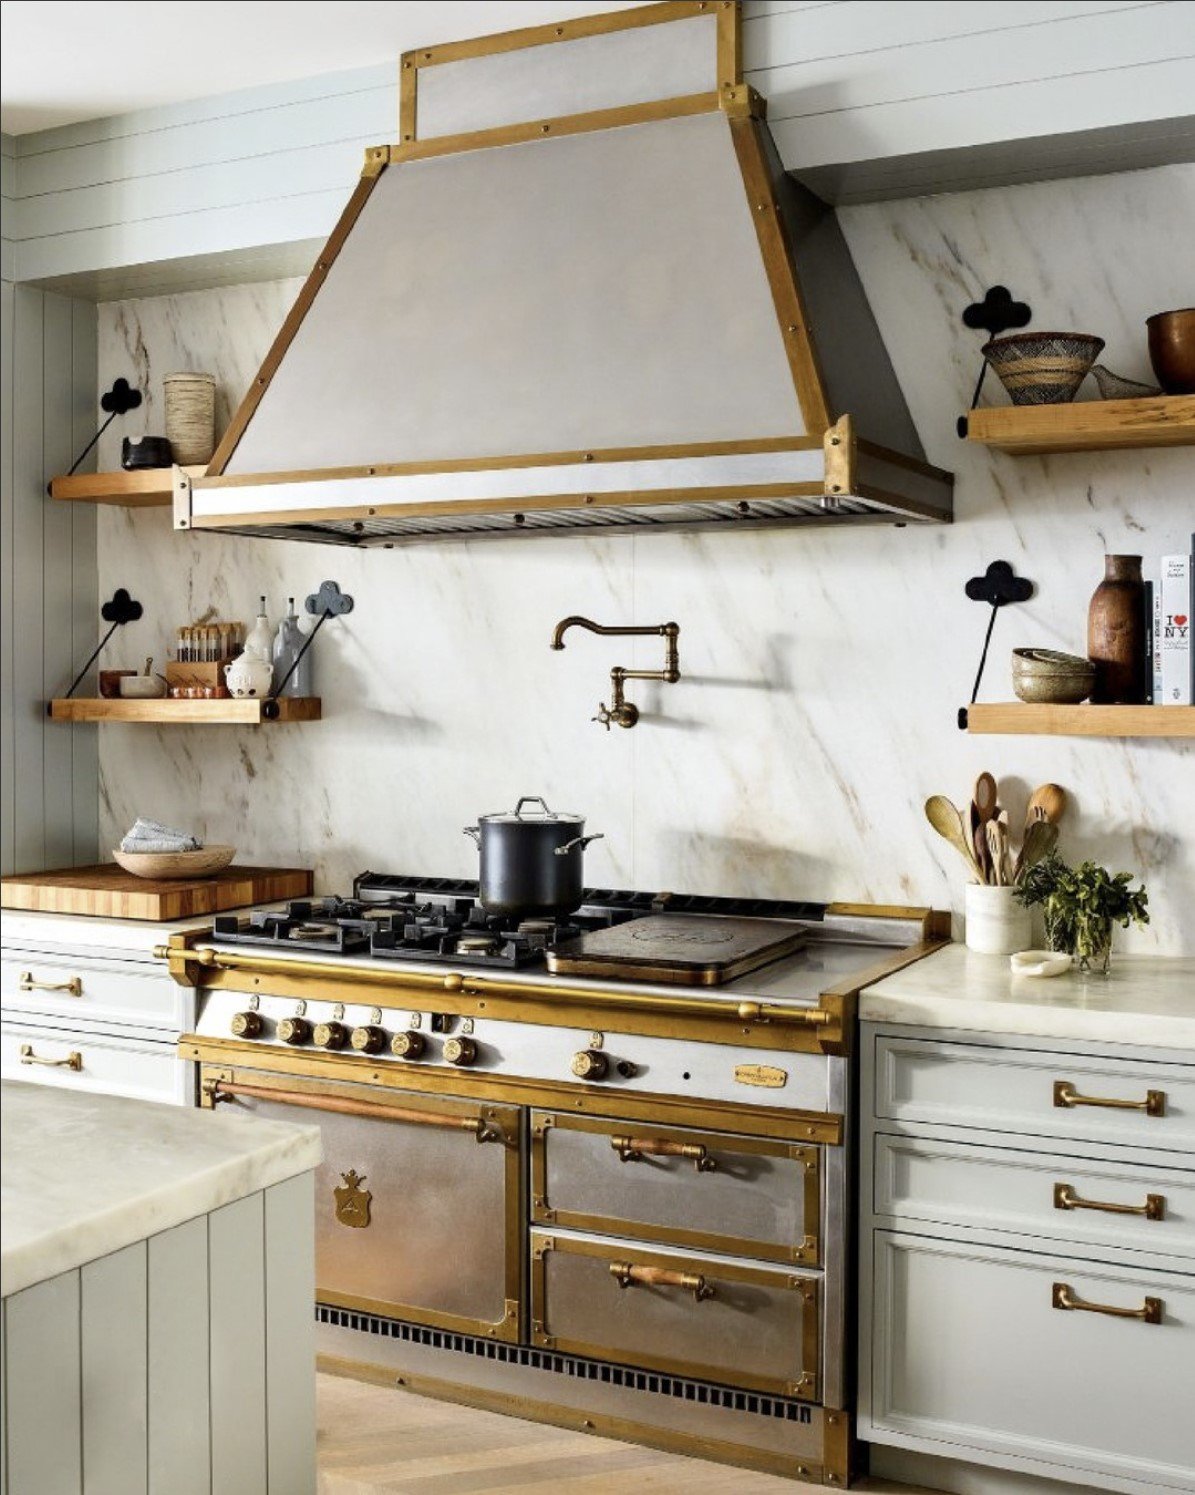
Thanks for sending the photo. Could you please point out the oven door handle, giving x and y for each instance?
(482, 1128)
(635, 1149)
(627, 1273)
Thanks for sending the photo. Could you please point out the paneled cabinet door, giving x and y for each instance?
(1080, 1365)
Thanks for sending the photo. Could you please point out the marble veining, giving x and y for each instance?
(822, 667)
(85, 1175)
(1144, 1000)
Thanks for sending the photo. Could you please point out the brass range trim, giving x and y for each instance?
(749, 1023)
(805, 1388)
(461, 1111)
(601, 1424)
(806, 1252)
(230, 1059)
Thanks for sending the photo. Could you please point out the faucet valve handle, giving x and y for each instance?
(604, 715)
(621, 714)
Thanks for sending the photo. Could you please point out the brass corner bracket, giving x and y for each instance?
(621, 712)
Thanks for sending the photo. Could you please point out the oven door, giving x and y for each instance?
(417, 1200)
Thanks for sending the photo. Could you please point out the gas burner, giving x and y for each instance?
(476, 944)
(307, 932)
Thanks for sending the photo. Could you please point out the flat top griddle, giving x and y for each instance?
(686, 949)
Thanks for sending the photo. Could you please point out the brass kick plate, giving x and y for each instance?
(761, 1074)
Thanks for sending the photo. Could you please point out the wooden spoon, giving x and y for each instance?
(1041, 837)
(997, 850)
(946, 820)
(985, 797)
(1050, 799)
(980, 841)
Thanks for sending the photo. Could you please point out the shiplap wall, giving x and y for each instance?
(48, 583)
(866, 98)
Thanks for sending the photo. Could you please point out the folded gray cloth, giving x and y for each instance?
(151, 835)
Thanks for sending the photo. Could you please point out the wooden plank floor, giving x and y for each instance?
(375, 1440)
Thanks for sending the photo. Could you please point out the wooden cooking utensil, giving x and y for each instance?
(998, 851)
(980, 841)
(985, 797)
(946, 820)
(1050, 799)
(1041, 837)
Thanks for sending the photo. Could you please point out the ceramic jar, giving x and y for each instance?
(1116, 632)
(249, 675)
(191, 417)
(996, 924)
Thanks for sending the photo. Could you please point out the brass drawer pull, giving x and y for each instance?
(74, 1060)
(624, 1273)
(1154, 1207)
(480, 1126)
(1066, 1096)
(74, 987)
(1064, 1297)
(635, 1149)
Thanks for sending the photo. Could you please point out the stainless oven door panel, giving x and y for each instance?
(744, 1196)
(413, 1220)
(691, 1314)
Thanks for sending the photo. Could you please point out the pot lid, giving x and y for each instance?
(542, 816)
(579, 292)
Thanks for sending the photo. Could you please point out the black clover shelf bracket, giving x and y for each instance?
(117, 611)
(328, 602)
(996, 313)
(998, 587)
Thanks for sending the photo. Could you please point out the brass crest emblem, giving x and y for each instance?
(352, 1202)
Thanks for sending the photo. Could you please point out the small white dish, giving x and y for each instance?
(142, 687)
(1039, 963)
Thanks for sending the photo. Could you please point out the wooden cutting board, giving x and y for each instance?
(110, 892)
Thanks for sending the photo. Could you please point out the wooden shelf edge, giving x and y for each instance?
(152, 487)
(1018, 717)
(1088, 426)
(170, 712)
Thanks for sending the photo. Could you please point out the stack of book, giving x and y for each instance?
(1170, 604)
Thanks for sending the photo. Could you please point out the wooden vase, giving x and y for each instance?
(1116, 632)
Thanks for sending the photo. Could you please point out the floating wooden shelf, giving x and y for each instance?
(1090, 426)
(153, 487)
(188, 713)
(1083, 721)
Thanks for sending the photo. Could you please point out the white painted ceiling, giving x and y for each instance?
(68, 60)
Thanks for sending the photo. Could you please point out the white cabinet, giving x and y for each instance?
(1027, 1259)
(92, 1009)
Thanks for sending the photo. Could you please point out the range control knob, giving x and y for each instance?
(408, 1045)
(331, 1035)
(369, 1040)
(294, 1030)
(460, 1051)
(590, 1064)
(246, 1025)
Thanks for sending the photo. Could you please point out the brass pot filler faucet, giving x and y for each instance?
(621, 712)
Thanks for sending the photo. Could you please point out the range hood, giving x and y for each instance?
(579, 294)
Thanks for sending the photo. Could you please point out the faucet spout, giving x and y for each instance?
(574, 622)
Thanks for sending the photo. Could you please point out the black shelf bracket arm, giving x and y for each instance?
(996, 313)
(121, 609)
(328, 602)
(998, 586)
(119, 400)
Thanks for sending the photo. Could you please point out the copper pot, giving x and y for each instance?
(1172, 349)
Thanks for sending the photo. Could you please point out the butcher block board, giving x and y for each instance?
(111, 893)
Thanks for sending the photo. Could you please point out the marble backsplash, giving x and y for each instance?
(822, 668)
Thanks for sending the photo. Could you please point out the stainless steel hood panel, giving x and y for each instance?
(622, 319)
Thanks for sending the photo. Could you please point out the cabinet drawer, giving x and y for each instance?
(744, 1196)
(691, 1315)
(49, 1056)
(975, 1347)
(1076, 1202)
(1070, 1096)
(57, 985)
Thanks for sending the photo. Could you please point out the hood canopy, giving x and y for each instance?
(629, 317)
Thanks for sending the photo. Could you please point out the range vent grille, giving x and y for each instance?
(567, 1365)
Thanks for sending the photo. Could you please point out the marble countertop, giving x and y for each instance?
(84, 1175)
(1146, 1000)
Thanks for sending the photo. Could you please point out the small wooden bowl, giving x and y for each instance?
(1172, 349)
(171, 864)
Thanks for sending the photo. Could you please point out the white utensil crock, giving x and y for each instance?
(996, 923)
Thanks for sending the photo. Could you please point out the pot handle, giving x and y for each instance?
(581, 841)
(474, 831)
(530, 799)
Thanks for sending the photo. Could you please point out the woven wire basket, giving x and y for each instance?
(1043, 368)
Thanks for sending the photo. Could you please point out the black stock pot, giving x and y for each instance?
(531, 862)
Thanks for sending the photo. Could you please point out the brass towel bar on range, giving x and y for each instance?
(482, 1129)
(420, 981)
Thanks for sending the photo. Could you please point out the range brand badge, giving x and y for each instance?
(352, 1202)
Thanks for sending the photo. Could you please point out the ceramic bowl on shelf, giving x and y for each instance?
(142, 687)
(171, 864)
(1043, 368)
(1045, 676)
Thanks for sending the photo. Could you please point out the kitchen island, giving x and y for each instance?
(157, 1279)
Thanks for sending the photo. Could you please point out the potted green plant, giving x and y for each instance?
(1080, 905)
